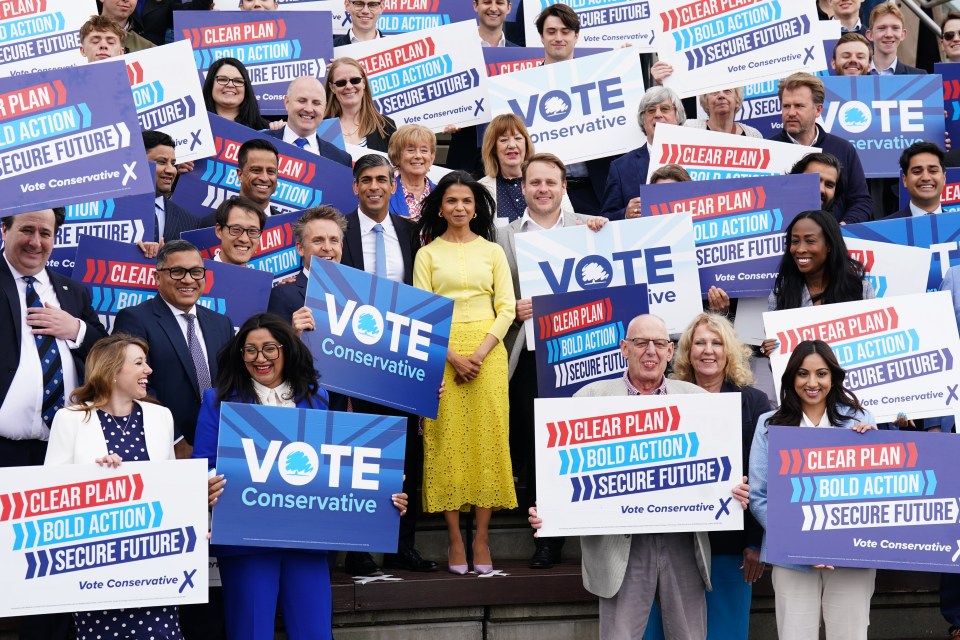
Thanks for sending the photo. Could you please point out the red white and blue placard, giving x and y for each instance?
(80, 537)
(40, 35)
(501, 60)
(603, 23)
(304, 179)
(69, 135)
(308, 479)
(892, 269)
(638, 464)
(276, 47)
(738, 225)
(377, 339)
(578, 336)
(880, 499)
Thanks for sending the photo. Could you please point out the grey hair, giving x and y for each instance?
(654, 96)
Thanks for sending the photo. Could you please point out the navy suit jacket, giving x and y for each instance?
(174, 380)
(287, 298)
(906, 70)
(177, 220)
(406, 234)
(627, 173)
(903, 213)
(74, 298)
(327, 150)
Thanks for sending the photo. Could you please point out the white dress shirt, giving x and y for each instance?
(917, 211)
(279, 396)
(182, 323)
(160, 210)
(528, 224)
(824, 421)
(20, 413)
(391, 243)
(289, 135)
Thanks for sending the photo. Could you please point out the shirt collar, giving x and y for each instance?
(366, 222)
(281, 393)
(815, 140)
(178, 312)
(917, 211)
(889, 71)
(501, 43)
(529, 224)
(824, 421)
(42, 276)
(354, 40)
(633, 391)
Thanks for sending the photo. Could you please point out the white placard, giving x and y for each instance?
(39, 36)
(638, 464)
(603, 23)
(81, 537)
(893, 269)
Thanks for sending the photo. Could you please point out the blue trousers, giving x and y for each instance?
(252, 584)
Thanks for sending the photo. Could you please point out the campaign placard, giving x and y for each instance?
(430, 78)
(949, 198)
(602, 22)
(578, 336)
(125, 220)
(638, 464)
(940, 233)
(950, 74)
(404, 16)
(501, 60)
(276, 254)
(80, 537)
(118, 276)
(656, 251)
(881, 499)
(892, 269)
(42, 35)
(712, 155)
(738, 225)
(380, 340)
(68, 136)
(561, 103)
(899, 353)
(304, 179)
(883, 115)
(308, 479)
(715, 44)
(169, 100)
(276, 47)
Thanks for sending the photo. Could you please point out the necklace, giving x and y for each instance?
(126, 423)
(351, 133)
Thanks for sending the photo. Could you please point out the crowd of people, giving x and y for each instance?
(70, 393)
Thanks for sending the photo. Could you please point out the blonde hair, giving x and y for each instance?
(737, 369)
(370, 119)
(737, 99)
(410, 134)
(104, 361)
(502, 125)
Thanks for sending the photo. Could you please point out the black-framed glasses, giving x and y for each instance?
(340, 84)
(643, 343)
(236, 231)
(233, 82)
(270, 351)
(372, 6)
(950, 35)
(179, 273)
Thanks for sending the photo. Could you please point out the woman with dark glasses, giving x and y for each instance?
(349, 99)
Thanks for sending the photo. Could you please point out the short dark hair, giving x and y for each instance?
(916, 149)
(59, 216)
(239, 202)
(800, 166)
(323, 212)
(255, 144)
(174, 246)
(567, 16)
(953, 15)
(369, 161)
(153, 139)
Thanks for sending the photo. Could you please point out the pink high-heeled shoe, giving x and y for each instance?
(484, 569)
(458, 569)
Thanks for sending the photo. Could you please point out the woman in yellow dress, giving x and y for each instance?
(466, 449)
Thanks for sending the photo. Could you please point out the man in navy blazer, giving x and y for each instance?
(305, 103)
(923, 177)
(171, 219)
(162, 322)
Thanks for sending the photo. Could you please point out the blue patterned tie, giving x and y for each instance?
(196, 353)
(50, 362)
(380, 266)
(301, 142)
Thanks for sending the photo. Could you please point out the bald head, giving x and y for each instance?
(305, 103)
(647, 361)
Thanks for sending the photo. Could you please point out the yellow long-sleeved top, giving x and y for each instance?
(475, 275)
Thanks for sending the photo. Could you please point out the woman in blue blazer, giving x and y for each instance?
(266, 363)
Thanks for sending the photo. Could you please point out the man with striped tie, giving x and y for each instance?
(47, 326)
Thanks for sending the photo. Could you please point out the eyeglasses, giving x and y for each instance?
(270, 351)
(950, 35)
(372, 6)
(236, 231)
(179, 273)
(340, 84)
(233, 82)
(643, 343)
(661, 108)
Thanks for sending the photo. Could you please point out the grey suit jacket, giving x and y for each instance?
(516, 339)
(605, 557)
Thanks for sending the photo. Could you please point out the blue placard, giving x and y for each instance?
(940, 233)
(308, 479)
(738, 225)
(304, 179)
(377, 339)
(883, 499)
(950, 73)
(578, 334)
(67, 136)
(118, 276)
(276, 47)
(949, 199)
(883, 115)
(125, 220)
(276, 254)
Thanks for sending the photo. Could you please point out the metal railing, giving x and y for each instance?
(917, 7)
